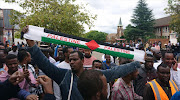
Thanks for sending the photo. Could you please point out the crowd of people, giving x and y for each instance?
(56, 72)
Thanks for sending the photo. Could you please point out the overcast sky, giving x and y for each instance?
(109, 11)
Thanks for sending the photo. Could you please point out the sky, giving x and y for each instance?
(109, 12)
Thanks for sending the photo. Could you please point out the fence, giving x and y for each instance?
(163, 41)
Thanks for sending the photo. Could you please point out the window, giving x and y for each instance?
(167, 29)
(164, 29)
(159, 30)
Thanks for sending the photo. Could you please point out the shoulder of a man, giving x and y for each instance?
(116, 86)
(148, 92)
(94, 58)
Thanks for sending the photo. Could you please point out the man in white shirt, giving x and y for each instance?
(14, 50)
(65, 64)
(137, 45)
(157, 55)
(169, 59)
(45, 49)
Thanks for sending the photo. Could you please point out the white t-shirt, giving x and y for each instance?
(64, 65)
(175, 76)
(157, 64)
(14, 53)
(137, 46)
(52, 60)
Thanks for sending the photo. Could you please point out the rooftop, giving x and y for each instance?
(162, 21)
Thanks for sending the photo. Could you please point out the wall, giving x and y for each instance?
(163, 41)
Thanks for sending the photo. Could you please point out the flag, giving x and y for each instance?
(45, 35)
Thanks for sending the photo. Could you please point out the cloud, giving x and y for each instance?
(4, 5)
(109, 11)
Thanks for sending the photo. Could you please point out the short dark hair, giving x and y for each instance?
(14, 47)
(65, 50)
(149, 55)
(81, 56)
(107, 55)
(96, 61)
(89, 83)
(162, 65)
(164, 52)
(22, 54)
(10, 56)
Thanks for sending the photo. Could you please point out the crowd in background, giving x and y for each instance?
(59, 72)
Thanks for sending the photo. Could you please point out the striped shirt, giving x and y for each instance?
(121, 91)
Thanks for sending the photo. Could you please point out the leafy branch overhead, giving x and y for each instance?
(59, 15)
(96, 35)
(174, 10)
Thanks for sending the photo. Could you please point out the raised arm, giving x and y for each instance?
(45, 65)
(120, 71)
(42, 62)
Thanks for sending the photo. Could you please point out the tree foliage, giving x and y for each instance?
(143, 19)
(132, 33)
(59, 15)
(96, 35)
(174, 10)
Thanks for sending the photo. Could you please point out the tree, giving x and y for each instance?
(96, 35)
(59, 15)
(132, 33)
(174, 10)
(143, 19)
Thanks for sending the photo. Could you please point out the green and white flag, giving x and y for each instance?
(45, 35)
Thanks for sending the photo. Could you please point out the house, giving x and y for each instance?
(6, 29)
(162, 29)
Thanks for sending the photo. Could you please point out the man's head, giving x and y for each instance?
(81, 50)
(92, 85)
(11, 63)
(2, 54)
(149, 61)
(122, 60)
(61, 56)
(24, 57)
(168, 58)
(132, 75)
(87, 53)
(96, 64)
(76, 60)
(67, 51)
(163, 72)
(157, 53)
(60, 49)
(108, 58)
(14, 48)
